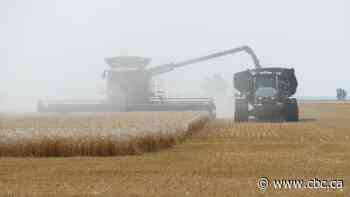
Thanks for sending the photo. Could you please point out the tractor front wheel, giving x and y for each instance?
(241, 110)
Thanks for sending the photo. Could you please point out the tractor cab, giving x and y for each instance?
(265, 87)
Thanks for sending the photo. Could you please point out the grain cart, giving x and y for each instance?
(264, 93)
(128, 88)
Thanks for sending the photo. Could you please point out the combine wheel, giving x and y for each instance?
(212, 113)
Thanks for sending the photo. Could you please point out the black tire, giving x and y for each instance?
(241, 110)
(291, 110)
(212, 111)
(212, 114)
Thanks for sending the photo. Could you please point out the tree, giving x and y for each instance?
(341, 94)
(215, 85)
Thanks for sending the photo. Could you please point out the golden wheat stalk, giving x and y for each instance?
(106, 134)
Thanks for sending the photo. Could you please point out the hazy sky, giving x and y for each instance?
(57, 47)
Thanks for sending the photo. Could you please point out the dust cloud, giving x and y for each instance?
(54, 49)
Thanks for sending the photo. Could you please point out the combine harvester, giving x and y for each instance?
(129, 89)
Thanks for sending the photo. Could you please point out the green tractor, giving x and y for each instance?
(264, 93)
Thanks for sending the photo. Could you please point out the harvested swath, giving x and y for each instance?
(94, 134)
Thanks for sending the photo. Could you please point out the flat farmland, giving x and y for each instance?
(221, 159)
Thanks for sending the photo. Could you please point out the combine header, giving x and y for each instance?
(128, 88)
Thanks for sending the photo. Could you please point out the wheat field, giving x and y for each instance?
(88, 134)
(221, 159)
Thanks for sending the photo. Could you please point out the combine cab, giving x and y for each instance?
(264, 93)
(129, 89)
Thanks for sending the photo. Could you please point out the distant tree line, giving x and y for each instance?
(341, 94)
(215, 85)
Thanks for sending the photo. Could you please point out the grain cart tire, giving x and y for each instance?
(241, 110)
(292, 111)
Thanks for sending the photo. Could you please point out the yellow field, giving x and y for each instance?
(89, 134)
(222, 159)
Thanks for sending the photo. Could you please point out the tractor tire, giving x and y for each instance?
(212, 112)
(291, 110)
(241, 110)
